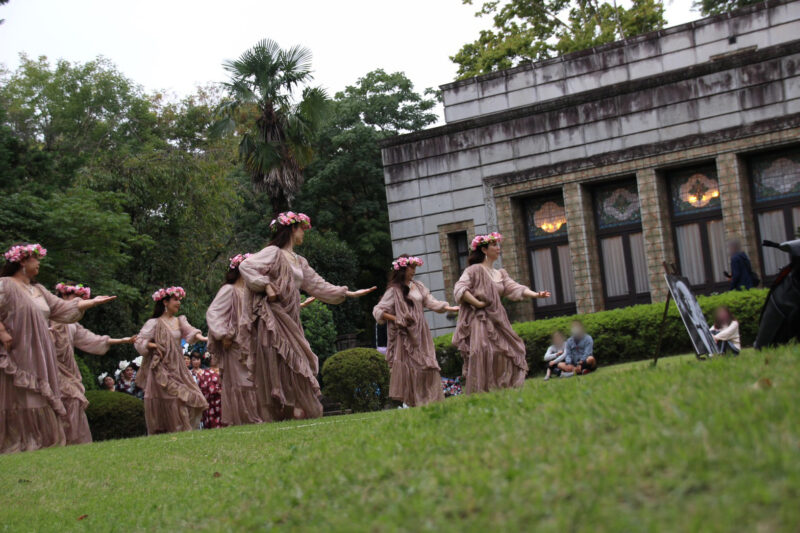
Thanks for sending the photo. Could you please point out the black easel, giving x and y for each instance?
(673, 270)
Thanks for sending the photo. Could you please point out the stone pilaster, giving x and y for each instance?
(737, 209)
(656, 229)
(583, 248)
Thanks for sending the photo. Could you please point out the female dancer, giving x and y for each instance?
(30, 401)
(66, 338)
(285, 368)
(229, 329)
(172, 399)
(494, 356)
(415, 378)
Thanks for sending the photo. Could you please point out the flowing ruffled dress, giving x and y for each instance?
(229, 317)
(415, 378)
(66, 338)
(285, 368)
(30, 398)
(172, 399)
(494, 355)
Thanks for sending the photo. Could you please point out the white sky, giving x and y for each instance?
(175, 45)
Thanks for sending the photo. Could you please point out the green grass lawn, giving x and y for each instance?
(687, 446)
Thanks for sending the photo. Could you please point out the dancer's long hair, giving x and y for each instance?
(160, 307)
(9, 268)
(232, 275)
(397, 278)
(477, 256)
(283, 234)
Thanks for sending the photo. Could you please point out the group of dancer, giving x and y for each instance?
(268, 370)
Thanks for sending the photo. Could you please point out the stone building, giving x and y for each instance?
(599, 165)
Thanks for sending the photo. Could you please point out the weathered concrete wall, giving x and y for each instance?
(447, 175)
(637, 58)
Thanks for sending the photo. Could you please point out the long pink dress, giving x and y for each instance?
(285, 367)
(229, 318)
(415, 378)
(30, 397)
(172, 399)
(494, 355)
(67, 337)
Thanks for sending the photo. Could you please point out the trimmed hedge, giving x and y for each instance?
(357, 378)
(115, 415)
(621, 335)
(87, 376)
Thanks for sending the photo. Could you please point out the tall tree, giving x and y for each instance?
(344, 190)
(532, 30)
(276, 127)
(715, 7)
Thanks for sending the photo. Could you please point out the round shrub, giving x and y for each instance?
(622, 335)
(115, 415)
(357, 378)
(320, 330)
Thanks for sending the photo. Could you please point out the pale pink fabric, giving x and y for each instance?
(285, 368)
(229, 317)
(494, 355)
(415, 378)
(67, 337)
(30, 397)
(172, 399)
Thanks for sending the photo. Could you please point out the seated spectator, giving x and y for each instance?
(126, 381)
(578, 351)
(188, 361)
(106, 381)
(555, 354)
(726, 331)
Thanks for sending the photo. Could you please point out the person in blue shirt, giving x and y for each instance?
(579, 355)
(741, 274)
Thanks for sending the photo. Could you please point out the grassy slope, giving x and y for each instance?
(687, 446)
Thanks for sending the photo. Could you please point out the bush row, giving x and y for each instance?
(621, 335)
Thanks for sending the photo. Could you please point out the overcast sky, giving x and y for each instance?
(175, 45)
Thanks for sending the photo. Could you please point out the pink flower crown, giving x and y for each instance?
(174, 292)
(485, 240)
(236, 260)
(403, 262)
(79, 290)
(290, 217)
(18, 253)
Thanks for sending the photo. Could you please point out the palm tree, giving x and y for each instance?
(276, 127)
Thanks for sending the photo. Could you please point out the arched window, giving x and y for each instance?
(622, 255)
(775, 179)
(697, 227)
(548, 249)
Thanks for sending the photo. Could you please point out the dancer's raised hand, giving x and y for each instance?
(94, 302)
(359, 293)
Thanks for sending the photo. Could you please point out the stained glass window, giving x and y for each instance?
(617, 205)
(694, 191)
(776, 176)
(547, 217)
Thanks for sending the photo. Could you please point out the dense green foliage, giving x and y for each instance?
(524, 30)
(344, 189)
(620, 335)
(320, 331)
(685, 446)
(715, 7)
(88, 378)
(357, 378)
(115, 415)
(129, 192)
